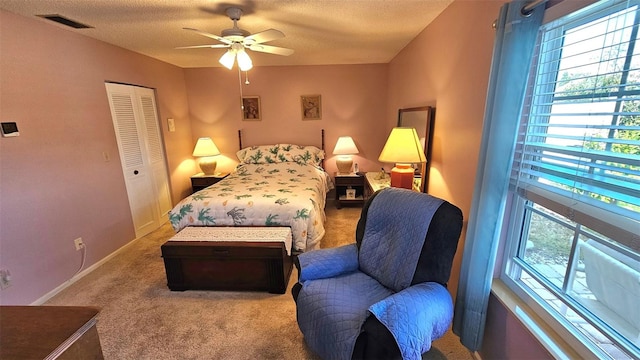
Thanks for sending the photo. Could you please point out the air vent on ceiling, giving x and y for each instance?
(65, 21)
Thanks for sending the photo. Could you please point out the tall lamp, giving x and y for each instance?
(402, 148)
(206, 150)
(345, 147)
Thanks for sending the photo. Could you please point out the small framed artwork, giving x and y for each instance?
(311, 107)
(251, 108)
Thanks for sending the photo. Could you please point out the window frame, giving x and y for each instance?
(516, 223)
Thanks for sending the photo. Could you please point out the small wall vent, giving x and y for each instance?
(65, 21)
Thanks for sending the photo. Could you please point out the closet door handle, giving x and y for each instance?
(135, 172)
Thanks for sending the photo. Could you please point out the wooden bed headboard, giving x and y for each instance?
(240, 147)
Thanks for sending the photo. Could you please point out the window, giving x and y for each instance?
(573, 239)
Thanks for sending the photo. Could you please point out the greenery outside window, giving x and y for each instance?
(573, 239)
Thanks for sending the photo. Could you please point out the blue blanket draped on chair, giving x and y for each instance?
(396, 232)
(339, 288)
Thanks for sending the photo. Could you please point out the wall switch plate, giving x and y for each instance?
(5, 279)
(171, 124)
(9, 129)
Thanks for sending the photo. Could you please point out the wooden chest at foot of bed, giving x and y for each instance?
(228, 258)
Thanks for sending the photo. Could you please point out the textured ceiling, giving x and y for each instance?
(320, 32)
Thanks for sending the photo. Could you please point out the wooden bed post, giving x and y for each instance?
(240, 139)
(322, 135)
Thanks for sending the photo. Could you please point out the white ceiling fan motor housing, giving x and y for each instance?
(235, 34)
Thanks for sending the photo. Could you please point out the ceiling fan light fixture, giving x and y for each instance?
(244, 61)
(237, 40)
(227, 59)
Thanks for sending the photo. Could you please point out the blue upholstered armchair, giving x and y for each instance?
(385, 296)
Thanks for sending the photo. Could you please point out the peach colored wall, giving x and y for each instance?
(447, 66)
(54, 184)
(506, 337)
(353, 103)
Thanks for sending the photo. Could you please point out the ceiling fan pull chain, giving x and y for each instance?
(246, 78)
(240, 84)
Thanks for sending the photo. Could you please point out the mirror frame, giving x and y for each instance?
(427, 131)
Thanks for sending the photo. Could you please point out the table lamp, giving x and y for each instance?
(206, 150)
(402, 148)
(345, 147)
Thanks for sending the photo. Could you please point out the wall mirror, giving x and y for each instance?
(421, 119)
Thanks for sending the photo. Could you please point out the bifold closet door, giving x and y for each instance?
(135, 120)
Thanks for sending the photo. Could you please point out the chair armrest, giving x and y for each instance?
(416, 316)
(325, 263)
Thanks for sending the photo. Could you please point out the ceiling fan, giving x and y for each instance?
(237, 40)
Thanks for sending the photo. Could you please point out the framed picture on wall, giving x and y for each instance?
(311, 107)
(251, 108)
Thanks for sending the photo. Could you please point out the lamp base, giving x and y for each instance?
(208, 165)
(402, 176)
(344, 165)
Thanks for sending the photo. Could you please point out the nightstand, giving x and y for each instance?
(201, 181)
(377, 181)
(349, 189)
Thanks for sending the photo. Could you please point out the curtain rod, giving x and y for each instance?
(528, 9)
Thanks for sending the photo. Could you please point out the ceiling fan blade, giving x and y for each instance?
(263, 36)
(214, 46)
(212, 36)
(270, 49)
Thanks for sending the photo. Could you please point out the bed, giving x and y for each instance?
(273, 185)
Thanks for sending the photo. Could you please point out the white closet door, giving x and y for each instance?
(140, 146)
(155, 150)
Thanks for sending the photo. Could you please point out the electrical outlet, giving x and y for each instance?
(79, 243)
(5, 279)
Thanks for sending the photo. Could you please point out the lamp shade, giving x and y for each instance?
(345, 146)
(227, 59)
(244, 61)
(403, 148)
(236, 51)
(206, 149)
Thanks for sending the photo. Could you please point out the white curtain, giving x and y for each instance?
(512, 54)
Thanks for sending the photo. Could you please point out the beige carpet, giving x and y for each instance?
(141, 318)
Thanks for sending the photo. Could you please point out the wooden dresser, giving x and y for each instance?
(49, 332)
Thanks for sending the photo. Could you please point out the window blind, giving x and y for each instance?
(578, 146)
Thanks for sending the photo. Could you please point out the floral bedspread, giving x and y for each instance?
(277, 194)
